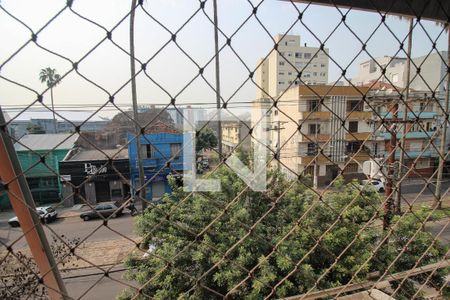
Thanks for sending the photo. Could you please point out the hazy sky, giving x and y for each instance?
(72, 37)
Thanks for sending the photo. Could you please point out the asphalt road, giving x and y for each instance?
(72, 228)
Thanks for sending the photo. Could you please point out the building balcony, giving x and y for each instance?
(320, 159)
(317, 115)
(358, 136)
(360, 156)
(359, 115)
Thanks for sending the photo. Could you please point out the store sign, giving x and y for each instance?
(91, 169)
(66, 177)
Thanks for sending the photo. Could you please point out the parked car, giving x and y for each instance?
(46, 213)
(378, 185)
(104, 209)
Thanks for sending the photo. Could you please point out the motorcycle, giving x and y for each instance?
(132, 209)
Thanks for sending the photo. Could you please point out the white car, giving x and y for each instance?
(46, 214)
(372, 183)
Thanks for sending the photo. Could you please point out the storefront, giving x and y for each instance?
(95, 180)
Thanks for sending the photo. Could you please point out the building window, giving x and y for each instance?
(289, 54)
(175, 150)
(289, 73)
(353, 126)
(313, 105)
(312, 149)
(276, 113)
(307, 55)
(280, 82)
(281, 63)
(314, 128)
(309, 170)
(415, 146)
(315, 65)
(33, 182)
(314, 73)
(354, 105)
(298, 55)
(353, 147)
(280, 73)
(322, 65)
(351, 168)
(149, 151)
(395, 78)
(299, 64)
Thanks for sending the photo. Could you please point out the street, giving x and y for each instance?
(71, 228)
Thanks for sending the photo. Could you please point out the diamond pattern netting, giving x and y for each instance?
(294, 239)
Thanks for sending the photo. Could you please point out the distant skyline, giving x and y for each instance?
(108, 66)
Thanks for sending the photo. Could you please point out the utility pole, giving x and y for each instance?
(316, 151)
(278, 144)
(217, 61)
(141, 184)
(391, 166)
(398, 195)
(443, 142)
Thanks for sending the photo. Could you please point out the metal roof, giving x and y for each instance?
(36, 142)
(85, 155)
(73, 116)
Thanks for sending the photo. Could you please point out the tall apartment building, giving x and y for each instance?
(344, 147)
(279, 70)
(432, 71)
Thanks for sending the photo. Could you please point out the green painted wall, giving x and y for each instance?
(42, 180)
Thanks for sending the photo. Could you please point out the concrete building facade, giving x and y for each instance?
(43, 178)
(97, 178)
(235, 135)
(321, 141)
(432, 72)
(279, 71)
(88, 123)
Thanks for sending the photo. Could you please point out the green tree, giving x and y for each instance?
(219, 258)
(206, 139)
(51, 78)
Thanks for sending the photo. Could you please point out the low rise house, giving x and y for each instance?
(94, 176)
(162, 155)
(39, 156)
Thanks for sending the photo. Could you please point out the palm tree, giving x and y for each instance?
(49, 76)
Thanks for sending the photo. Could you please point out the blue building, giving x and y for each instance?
(418, 149)
(157, 150)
